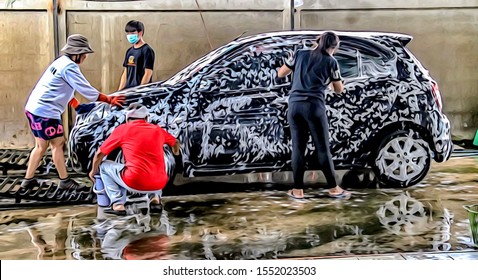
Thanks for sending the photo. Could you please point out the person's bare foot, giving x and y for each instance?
(118, 207)
(155, 205)
(338, 192)
(296, 193)
(156, 200)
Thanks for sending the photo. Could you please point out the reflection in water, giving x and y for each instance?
(255, 224)
(404, 215)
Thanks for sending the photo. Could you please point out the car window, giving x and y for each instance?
(374, 65)
(375, 59)
(347, 57)
(348, 63)
(198, 65)
(251, 66)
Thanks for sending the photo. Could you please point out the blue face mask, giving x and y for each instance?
(132, 38)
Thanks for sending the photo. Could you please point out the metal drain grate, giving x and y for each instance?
(11, 159)
(47, 191)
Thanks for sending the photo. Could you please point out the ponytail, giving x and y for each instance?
(324, 42)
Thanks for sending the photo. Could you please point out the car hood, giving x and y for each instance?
(166, 105)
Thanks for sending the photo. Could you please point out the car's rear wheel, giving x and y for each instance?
(402, 160)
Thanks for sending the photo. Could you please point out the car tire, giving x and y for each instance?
(170, 164)
(402, 159)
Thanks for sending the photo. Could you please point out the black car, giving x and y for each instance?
(229, 110)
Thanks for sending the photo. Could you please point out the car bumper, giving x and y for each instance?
(441, 136)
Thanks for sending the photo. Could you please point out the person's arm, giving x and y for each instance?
(176, 148)
(78, 82)
(111, 143)
(336, 78)
(123, 80)
(288, 67)
(148, 73)
(284, 71)
(149, 57)
(96, 164)
(338, 86)
(171, 141)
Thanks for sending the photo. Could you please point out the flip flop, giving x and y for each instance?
(291, 194)
(155, 208)
(343, 194)
(115, 212)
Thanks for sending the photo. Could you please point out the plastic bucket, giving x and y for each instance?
(473, 217)
(101, 196)
(475, 140)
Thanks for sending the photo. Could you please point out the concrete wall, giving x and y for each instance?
(25, 50)
(444, 33)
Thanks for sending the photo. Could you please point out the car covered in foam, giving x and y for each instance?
(229, 110)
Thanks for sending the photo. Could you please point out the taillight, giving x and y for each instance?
(437, 95)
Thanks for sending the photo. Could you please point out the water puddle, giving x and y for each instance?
(260, 223)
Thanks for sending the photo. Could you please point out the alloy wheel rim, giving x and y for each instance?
(403, 158)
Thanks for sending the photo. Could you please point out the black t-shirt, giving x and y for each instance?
(312, 74)
(136, 61)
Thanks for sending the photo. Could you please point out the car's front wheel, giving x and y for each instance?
(170, 163)
(402, 160)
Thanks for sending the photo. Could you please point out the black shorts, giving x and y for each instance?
(45, 128)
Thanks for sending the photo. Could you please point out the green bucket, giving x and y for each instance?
(475, 140)
(473, 217)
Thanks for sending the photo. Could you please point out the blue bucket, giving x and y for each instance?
(101, 196)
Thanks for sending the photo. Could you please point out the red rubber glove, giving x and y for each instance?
(118, 100)
(74, 103)
(81, 108)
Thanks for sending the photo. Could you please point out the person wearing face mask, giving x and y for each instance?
(139, 59)
(47, 102)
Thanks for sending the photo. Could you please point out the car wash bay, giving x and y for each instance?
(240, 219)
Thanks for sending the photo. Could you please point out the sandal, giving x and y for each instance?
(115, 212)
(290, 193)
(344, 194)
(155, 208)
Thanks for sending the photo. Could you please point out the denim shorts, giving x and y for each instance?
(45, 128)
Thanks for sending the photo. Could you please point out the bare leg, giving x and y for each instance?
(56, 145)
(36, 156)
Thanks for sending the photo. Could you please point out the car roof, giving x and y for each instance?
(404, 38)
(240, 41)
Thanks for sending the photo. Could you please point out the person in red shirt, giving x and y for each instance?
(144, 170)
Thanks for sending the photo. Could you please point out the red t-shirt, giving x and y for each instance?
(142, 145)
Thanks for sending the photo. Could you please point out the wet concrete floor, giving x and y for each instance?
(257, 221)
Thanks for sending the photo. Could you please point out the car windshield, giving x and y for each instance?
(199, 64)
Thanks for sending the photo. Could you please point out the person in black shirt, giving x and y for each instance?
(313, 71)
(139, 60)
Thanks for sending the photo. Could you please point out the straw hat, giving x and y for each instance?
(77, 44)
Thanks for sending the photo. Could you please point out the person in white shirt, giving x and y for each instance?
(47, 102)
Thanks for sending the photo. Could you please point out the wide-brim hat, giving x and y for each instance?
(77, 44)
(136, 111)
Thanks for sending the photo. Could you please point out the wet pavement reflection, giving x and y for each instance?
(256, 221)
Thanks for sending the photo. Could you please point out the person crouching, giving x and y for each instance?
(144, 169)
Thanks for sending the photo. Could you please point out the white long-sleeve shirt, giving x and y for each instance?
(56, 88)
